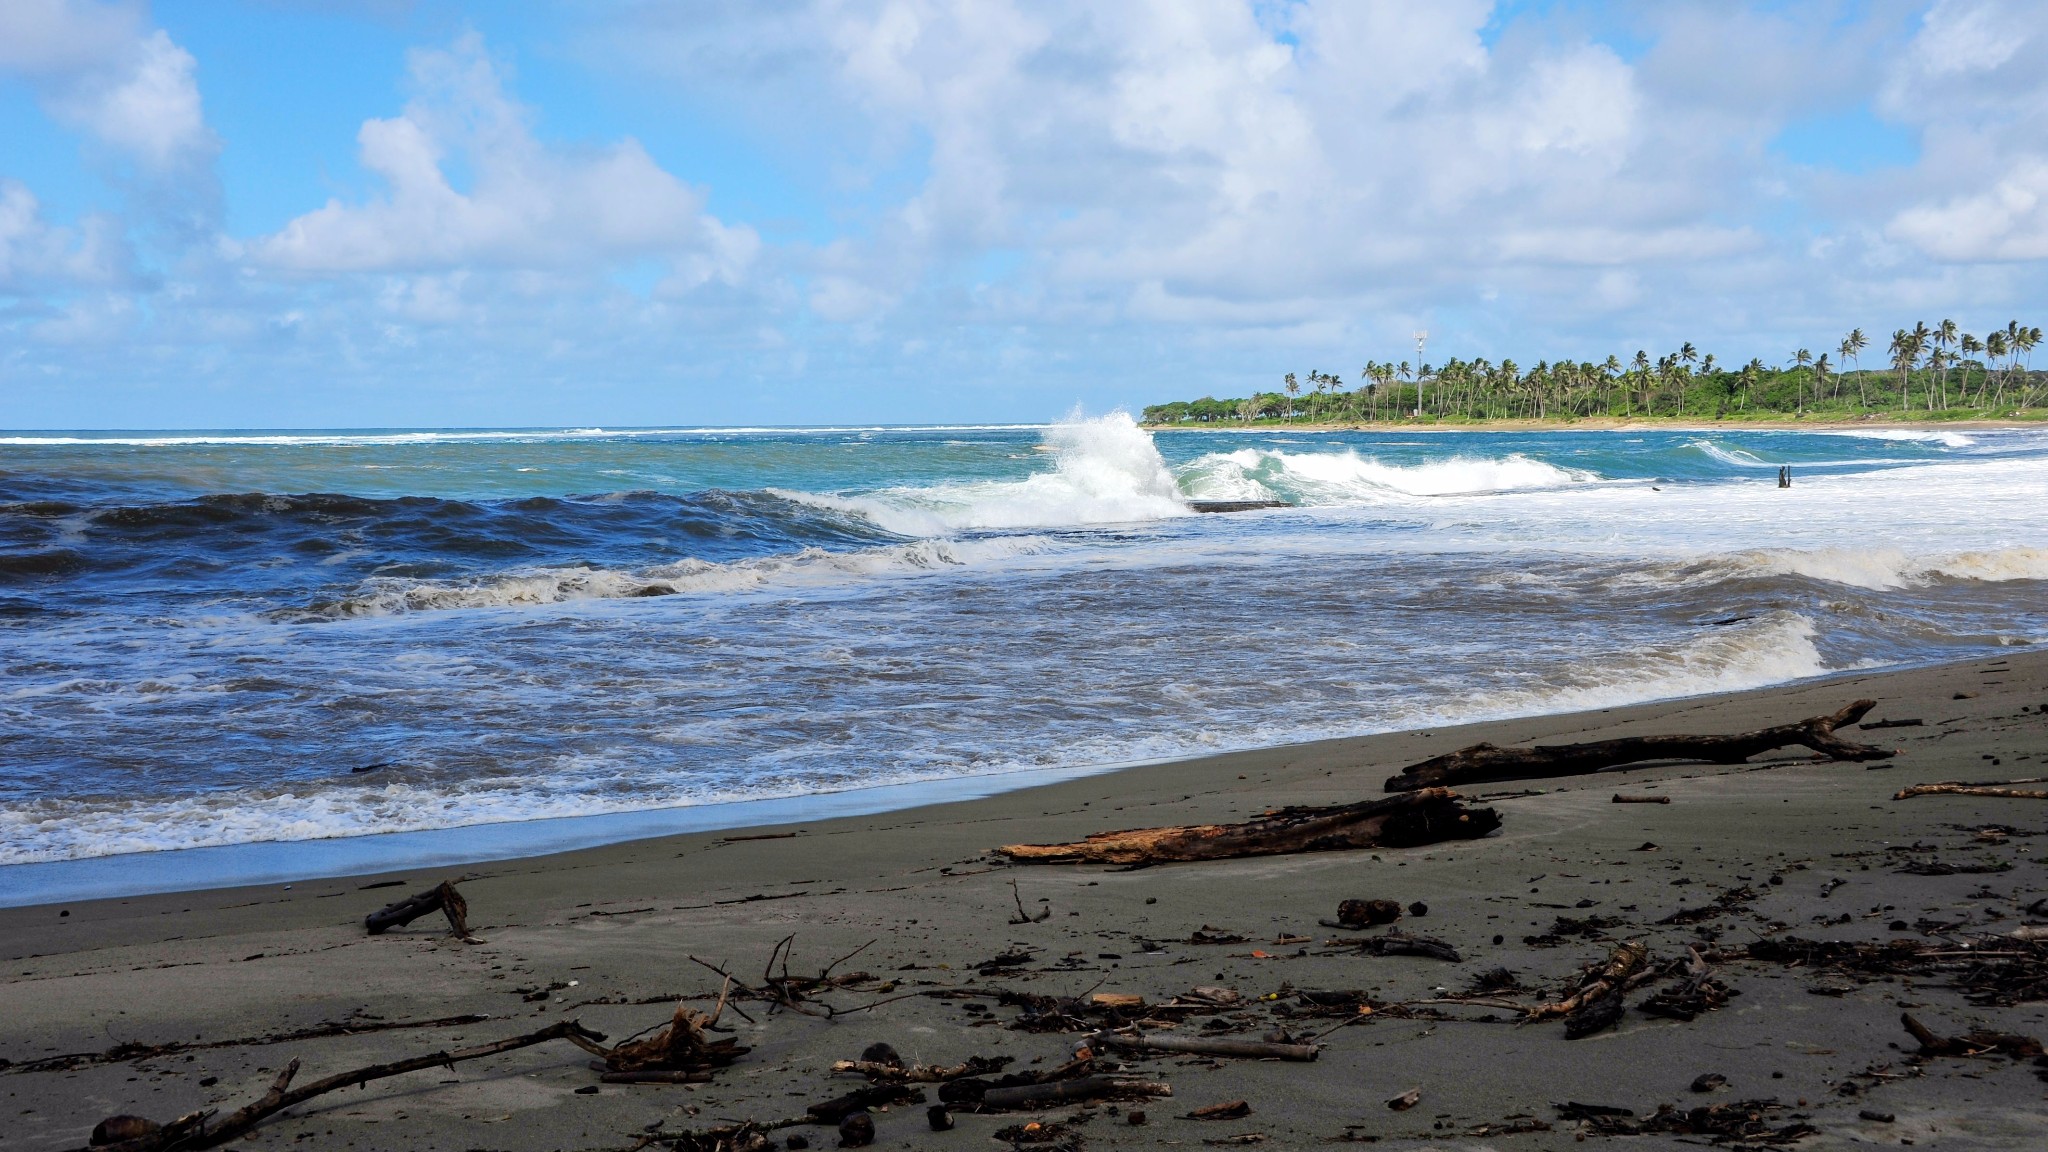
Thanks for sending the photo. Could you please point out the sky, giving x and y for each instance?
(383, 213)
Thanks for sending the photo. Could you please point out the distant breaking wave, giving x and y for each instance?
(1346, 477)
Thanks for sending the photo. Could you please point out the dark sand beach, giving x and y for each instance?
(1783, 847)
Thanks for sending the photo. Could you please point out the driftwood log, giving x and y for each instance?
(192, 1131)
(442, 898)
(1060, 1091)
(1206, 1046)
(1426, 816)
(1999, 789)
(922, 1073)
(1487, 763)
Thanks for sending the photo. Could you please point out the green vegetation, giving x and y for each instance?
(1934, 373)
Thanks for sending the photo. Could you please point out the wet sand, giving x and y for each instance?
(1819, 845)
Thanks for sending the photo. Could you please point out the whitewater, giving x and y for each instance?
(224, 638)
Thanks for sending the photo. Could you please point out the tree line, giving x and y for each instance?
(1940, 370)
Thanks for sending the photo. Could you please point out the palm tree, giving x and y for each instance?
(1707, 365)
(1994, 351)
(1971, 347)
(1800, 359)
(2024, 347)
(1944, 338)
(1851, 350)
(1904, 352)
(1821, 369)
(1293, 387)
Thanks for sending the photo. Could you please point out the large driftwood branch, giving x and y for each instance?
(442, 898)
(1486, 763)
(1427, 816)
(192, 1131)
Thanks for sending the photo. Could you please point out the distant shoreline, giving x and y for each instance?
(1607, 424)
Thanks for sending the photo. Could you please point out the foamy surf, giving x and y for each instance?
(1349, 478)
(1106, 470)
(811, 567)
(1773, 650)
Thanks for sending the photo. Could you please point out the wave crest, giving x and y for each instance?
(1348, 478)
(392, 596)
(1106, 470)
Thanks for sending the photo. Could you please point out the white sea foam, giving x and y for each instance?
(1944, 438)
(1106, 470)
(810, 567)
(1348, 478)
(1775, 649)
(1884, 568)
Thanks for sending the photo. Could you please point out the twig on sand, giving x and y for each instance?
(192, 1130)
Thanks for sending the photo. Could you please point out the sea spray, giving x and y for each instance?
(1321, 478)
(1105, 470)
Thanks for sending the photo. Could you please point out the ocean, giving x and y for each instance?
(212, 639)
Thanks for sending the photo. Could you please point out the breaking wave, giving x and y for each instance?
(1348, 478)
(1888, 568)
(385, 596)
(1771, 650)
(1106, 470)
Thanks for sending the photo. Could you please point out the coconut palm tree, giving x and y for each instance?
(1971, 348)
(2019, 341)
(1852, 350)
(1905, 351)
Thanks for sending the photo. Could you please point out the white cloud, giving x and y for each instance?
(36, 255)
(527, 205)
(1975, 80)
(97, 67)
(2008, 222)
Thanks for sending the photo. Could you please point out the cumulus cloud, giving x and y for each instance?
(99, 68)
(1975, 79)
(1285, 162)
(37, 255)
(526, 204)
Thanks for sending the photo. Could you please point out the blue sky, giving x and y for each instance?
(299, 213)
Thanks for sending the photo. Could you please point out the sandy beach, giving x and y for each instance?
(1779, 848)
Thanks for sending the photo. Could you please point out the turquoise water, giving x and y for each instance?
(229, 638)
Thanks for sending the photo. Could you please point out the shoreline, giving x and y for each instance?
(1775, 848)
(1618, 424)
(258, 863)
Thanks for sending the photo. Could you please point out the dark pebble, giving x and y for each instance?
(1875, 1117)
(1708, 1082)
(881, 1054)
(857, 1130)
(940, 1119)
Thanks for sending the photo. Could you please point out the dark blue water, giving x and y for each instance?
(203, 638)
